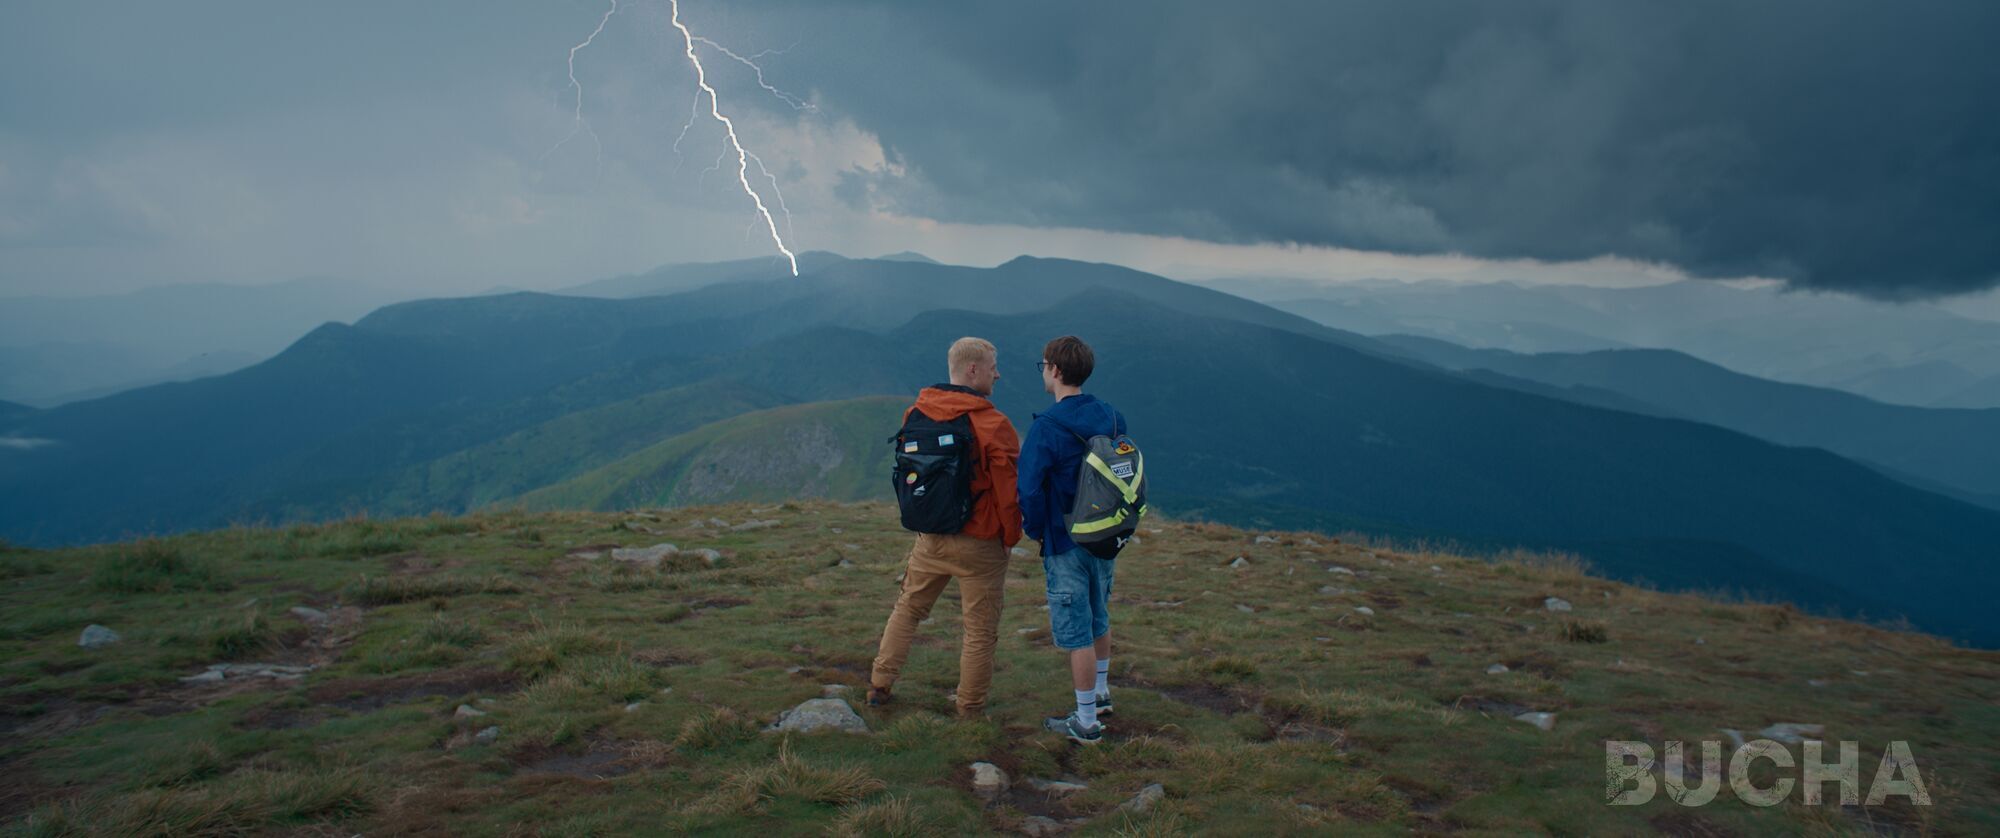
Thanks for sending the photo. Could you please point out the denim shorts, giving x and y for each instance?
(1079, 597)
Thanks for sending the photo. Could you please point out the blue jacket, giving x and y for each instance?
(1050, 457)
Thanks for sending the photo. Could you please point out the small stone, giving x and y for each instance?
(835, 530)
(634, 706)
(1265, 539)
(1339, 569)
(819, 714)
(209, 677)
(754, 525)
(1545, 721)
(1437, 569)
(988, 781)
(1334, 590)
(1055, 788)
(709, 555)
(1310, 543)
(1497, 669)
(1245, 608)
(1037, 826)
(1364, 611)
(1144, 799)
(1556, 604)
(718, 523)
(310, 615)
(854, 547)
(644, 556)
(1817, 682)
(833, 690)
(97, 637)
(487, 736)
(1792, 733)
(844, 563)
(1240, 563)
(467, 711)
(1324, 639)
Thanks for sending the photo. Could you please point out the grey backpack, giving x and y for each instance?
(1110, 494)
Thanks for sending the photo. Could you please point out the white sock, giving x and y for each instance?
(1086, 707)
(1103, 676)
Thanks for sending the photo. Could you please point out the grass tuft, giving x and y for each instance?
(154, 566)
(714, 729)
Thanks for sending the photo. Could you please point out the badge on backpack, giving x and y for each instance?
(944, 440)
(910, 447)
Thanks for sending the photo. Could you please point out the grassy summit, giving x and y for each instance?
(631, 699)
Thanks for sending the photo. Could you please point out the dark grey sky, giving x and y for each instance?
(1836, 143)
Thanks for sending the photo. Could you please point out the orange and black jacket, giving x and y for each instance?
(996, 513)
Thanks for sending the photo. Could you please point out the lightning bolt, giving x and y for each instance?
(579, 125)
(796, 103)
(729, 128)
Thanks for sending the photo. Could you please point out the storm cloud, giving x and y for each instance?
(1837, 144)
(1840, 145)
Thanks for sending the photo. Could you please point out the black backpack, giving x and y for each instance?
(933, 472)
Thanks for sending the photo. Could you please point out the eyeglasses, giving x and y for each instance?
(1042, 365)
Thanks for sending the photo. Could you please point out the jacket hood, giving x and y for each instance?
(1084, 415)
(950, 401)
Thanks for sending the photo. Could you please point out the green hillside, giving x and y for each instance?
(832, 450)
(604, 697)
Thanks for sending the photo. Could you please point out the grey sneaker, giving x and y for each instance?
(1103, 704)
(1071, 727)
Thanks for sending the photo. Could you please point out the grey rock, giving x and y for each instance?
(1339, 569)
(634, 706)
(755, 525)
(467, 711)
(1036, 826)
(1240, 563)
(1055, 788)
(211, 676)
(1556, 603)
(1334, 590)
(1364, 611)
(1245, 609)
(711, 556)
(1545, 721)
(1144, 799)
(1792, 733)
(1265, 539)
(487, 736)
(819, 714)
(97, 637)
(310, 615)
(718, 523)
(1310, 543)
(988, 781)
(844, 563)
(644, 556)
(1497, 669)
(1437, 569)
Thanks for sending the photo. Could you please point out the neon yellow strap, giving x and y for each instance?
(1098, 525)
(1130, 490)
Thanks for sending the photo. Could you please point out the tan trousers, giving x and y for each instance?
(980, 566)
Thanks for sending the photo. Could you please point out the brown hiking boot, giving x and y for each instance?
(878, 696)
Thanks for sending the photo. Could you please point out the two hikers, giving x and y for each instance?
(942, 481)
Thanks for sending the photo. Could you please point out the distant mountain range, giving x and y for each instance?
(754, 387)
(1914, 354)
(1956, 451)
(63, 349)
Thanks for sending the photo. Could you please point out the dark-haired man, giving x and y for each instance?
(1079, 584)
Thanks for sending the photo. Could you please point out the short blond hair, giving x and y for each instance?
(967, 350)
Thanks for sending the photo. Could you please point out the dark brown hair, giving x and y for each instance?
(1072, 358)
